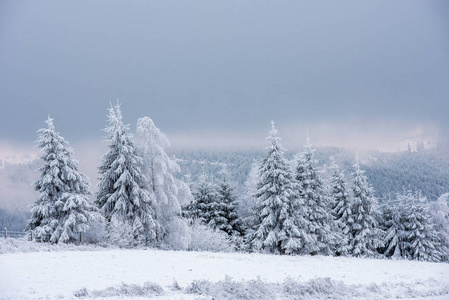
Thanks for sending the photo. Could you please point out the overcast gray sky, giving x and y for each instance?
(216, 72)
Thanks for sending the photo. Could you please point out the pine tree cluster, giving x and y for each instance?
(138, 197)
(287, 208)
(296, 213)
(215, 205)
(410, 231)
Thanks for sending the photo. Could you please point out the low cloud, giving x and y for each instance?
(387, 136)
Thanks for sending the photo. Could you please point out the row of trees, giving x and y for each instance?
(136, 191)
(289, 211)
(293, 211)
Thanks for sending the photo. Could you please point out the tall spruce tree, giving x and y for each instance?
(62, 210)
(122, 195)
(366, 235)
(168, 192)
(281, 225)
(341, 209)
(316, 200)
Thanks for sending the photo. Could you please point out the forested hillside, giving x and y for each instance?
(426, 171)
(389, 173)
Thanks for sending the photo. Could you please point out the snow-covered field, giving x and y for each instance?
(143, 274)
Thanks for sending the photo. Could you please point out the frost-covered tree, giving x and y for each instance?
(204, 198)
(392, 224)
(224, 209)
(439, 211)
(168, 192)
(365, 236)
(316, 200)
(410, 230)
(62, 210)
(281, 225)
(247, 200)
(424, 243)
(341, 209)
(122, 193)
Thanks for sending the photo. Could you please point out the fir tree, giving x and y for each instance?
(341, 209)
(224, 210)
(365, 236)
(439, 211)
(392, 224)
(281, 224)
(167, 191)
(62, 210)
(316, 200)
(122, 194)
(423, 240)
(204, 198)
(410, 230)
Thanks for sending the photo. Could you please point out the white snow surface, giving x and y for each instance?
(59, 274)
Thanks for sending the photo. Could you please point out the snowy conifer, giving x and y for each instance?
(439, 211)
(281, 225)
(341, 209)
(365, 236)
(122, 194)
(204, 198)
(247, 200)
(316, 200)
(424, 243)
(392, 224)
(224, 210)
(62, 210)
(168, 192)
(410, 230)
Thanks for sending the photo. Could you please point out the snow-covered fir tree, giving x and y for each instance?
(365, 237)
(391, 223)
(424, 243)
(341, 208)
(439, 211)
(122, 193)
(281, 226)
(168, 193)
(224, 209)
(316, 200)
(410, 230)
(204, 198)
(62, 210)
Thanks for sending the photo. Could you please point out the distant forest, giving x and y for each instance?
(426, 171)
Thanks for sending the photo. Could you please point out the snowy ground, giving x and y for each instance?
(143, 274)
